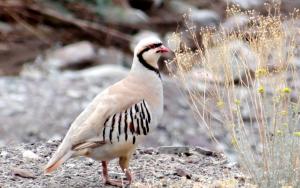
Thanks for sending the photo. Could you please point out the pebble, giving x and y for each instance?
(183, 173)
(205, 151)
(30, 155)
(22, 173)
(173, 149)
(4, 154)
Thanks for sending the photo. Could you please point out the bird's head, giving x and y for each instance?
(148, 51)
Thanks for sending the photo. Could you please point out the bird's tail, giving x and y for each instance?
(62, 154)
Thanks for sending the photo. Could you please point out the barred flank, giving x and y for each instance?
(136, 121)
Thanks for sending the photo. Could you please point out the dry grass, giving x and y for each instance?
(246, 80)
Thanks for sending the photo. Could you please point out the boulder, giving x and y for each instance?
(204, 17)
(232, 60)
(247, 4)
(111, 56)
(234, 23)
(120, 15)
(71, 55)
(180, 7)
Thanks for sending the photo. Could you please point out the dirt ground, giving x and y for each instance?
(21, 166)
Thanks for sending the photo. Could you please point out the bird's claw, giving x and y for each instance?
(117, 183)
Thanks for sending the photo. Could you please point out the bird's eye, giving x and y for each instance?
(151, 46)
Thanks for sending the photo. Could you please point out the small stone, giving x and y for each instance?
(22, 173)
(30, 155)
(74, 94)
(183, 173)
(70, 165)
(173, 149)
(231, 165)
(149, 151)
(4, 154)
(205, 151)
(116, 175)
(89, 162)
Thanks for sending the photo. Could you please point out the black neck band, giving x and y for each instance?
(144, 63)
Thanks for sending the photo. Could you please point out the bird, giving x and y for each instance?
(119, 117)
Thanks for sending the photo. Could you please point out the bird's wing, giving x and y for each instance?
(90, 122)
(122, 126)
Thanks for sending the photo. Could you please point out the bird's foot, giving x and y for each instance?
(117, 183)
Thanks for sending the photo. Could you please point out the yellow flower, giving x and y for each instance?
(286, 90)
(261, 72)
(296, 134)
(237, 102)
(220, 104)
(261, 89)
(279, 133)
(234, 141)
(283, 113)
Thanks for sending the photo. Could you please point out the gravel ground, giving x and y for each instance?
(21, 166)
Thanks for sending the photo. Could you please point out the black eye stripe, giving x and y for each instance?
(152, 46)
(155, 45)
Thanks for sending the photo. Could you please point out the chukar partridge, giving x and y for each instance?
(118, 118)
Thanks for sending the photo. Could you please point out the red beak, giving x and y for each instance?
(163, 49)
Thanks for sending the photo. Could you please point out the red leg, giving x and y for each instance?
(124, 164)
(107, 181)
(104, 172)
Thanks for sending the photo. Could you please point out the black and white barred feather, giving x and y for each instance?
(128, 125)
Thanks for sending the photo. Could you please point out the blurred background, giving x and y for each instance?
(56, 55)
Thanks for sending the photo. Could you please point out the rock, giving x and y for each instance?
(22, 173)
(247, 4)
(204, 17)
(3, 154)
(234, 23)
(30, 155)
(200, 80)
(5, 27)
(119, 15)
(183, 173)
(247, 110)
(71, 55)
(199, 17)
(116, 72)
(112, 56)
(173, 149)
(204, 151)
(232, 59)
(179, 7)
